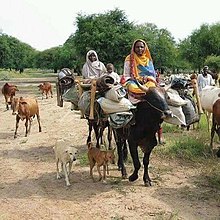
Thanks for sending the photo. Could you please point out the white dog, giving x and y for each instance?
(65, 154)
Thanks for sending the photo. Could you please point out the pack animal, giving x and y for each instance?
(65, 154)
(215, 121)
(148, 118)
(9, 90)
(25, 109)
(208, 96)
(100, 158)
(46, 88)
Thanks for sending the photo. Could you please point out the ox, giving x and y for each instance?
(8, 90)
(208, 97)
(46, 88)
(25, 108)
(215, 121)
(148, 117)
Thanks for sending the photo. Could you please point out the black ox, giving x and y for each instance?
(149, 115)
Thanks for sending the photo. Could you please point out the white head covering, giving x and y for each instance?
(94, 69)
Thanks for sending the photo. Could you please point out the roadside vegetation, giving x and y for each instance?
(200, 48)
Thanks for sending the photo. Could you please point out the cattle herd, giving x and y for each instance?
(148, 117)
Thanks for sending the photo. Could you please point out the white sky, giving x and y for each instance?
(48, 23)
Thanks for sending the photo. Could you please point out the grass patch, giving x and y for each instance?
(83, 159)
(189, 148)
(28, 73)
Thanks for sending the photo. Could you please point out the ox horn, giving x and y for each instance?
(142, 87)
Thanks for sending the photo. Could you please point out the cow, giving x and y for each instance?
(25, 108)
(148, 116)
(208, 96)
(46, 88)
(9, 90)
(215, 121)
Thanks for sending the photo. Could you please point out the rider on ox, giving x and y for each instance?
(93, 70)
(151, 105)
(139, 66)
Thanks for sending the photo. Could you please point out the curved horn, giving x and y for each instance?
(142, 87)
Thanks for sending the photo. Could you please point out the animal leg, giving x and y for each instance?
(92, 164)
(213, 129)
(16, 126)
(38, 119)
(136, 162)
(109, 137)
(30, 123)
(120, 149)
(66, 175)
(57, 164)
(70, 166)
(90, 131)
(146, 178)
(99, 171)
(104, 172)
(26, 127)
(121, 166)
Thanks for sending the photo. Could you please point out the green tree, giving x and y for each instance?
(214, 63)
(109, 34)
(202, 43)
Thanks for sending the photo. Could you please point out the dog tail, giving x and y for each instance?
(89, 145)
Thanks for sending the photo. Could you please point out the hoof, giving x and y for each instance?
(124, 176)
(147, 183)
(133, 177)
(59, 177)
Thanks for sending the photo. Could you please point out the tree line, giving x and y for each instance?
(111, 35)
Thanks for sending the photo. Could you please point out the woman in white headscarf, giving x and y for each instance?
(93, 68)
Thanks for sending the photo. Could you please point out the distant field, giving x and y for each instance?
(28, 73)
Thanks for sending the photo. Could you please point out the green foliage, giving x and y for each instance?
(160, 43)
(213, 62)
(15, 54)
(108, 34)
(202, 43)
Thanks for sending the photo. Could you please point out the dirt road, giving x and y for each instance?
(30, 190)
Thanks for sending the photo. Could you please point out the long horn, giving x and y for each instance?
(142, 87)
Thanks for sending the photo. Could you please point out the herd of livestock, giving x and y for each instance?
(136, 126)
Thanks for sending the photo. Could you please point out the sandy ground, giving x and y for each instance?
(29, 188)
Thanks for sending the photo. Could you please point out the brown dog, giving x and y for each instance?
(100, 158)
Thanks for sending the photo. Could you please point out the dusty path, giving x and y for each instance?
(30, 190)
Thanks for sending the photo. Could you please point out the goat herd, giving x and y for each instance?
(140, 131)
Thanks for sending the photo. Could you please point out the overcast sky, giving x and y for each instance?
(48, 23)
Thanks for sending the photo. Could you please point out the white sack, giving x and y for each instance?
(109, 106)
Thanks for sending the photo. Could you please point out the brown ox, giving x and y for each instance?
(25, 108)
(8, 90)
(46, 88)
(215, 121)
